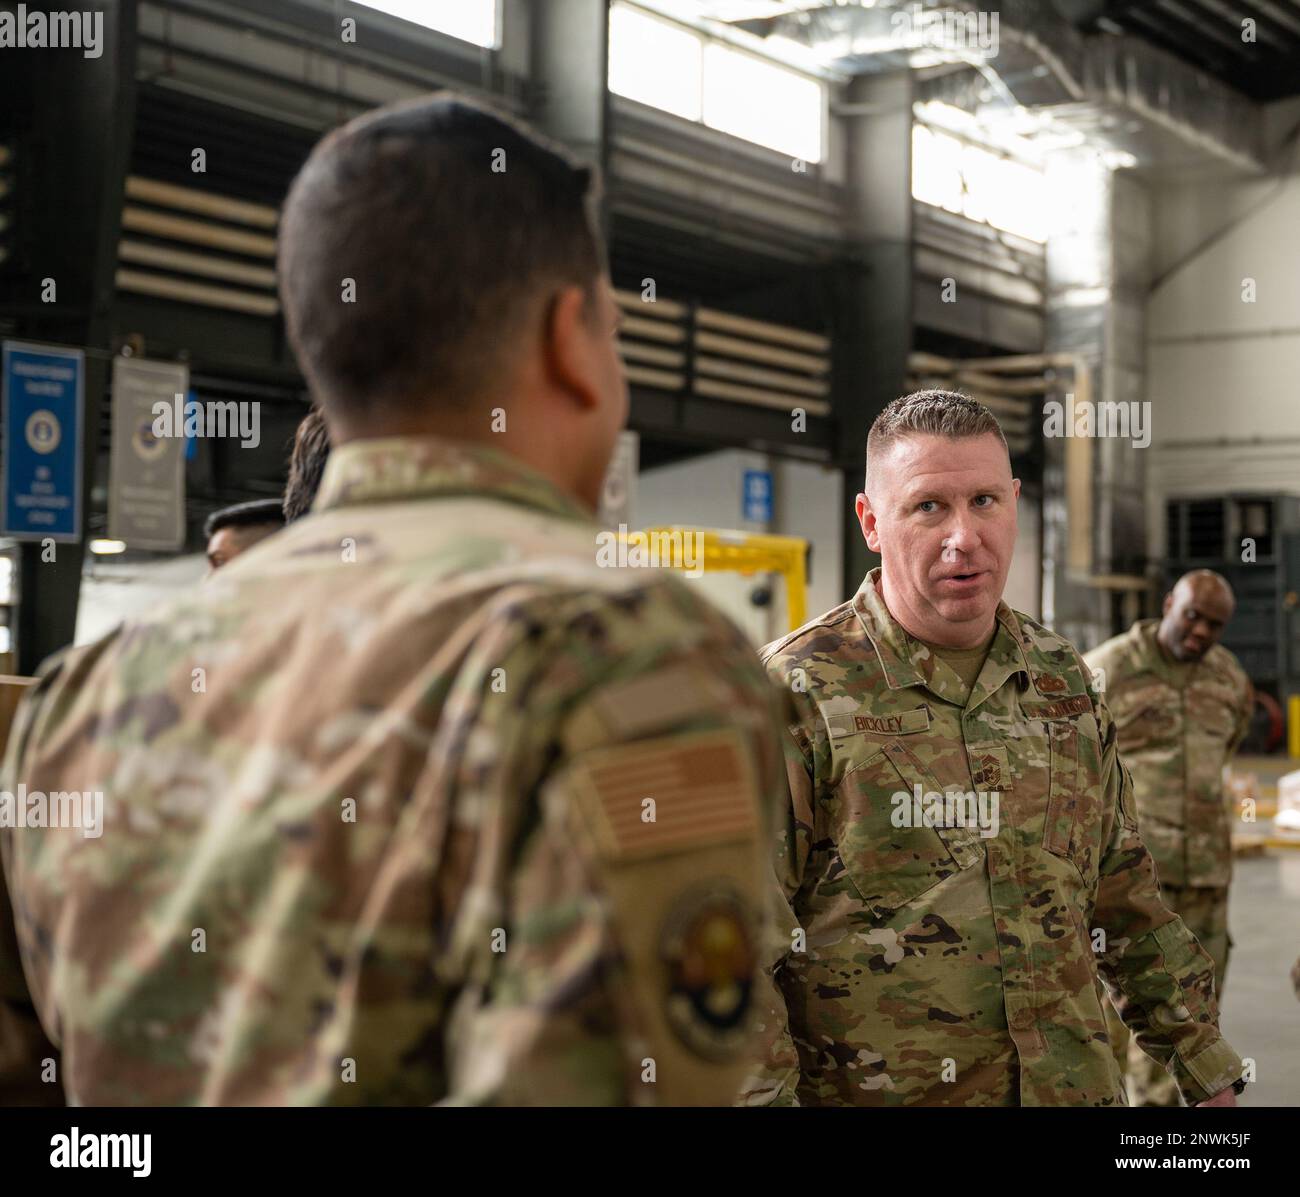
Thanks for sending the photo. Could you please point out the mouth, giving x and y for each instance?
(963, 581)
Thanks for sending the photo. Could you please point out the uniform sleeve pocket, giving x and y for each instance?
(1073, 822)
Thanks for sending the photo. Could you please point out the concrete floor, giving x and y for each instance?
(1260, 1015)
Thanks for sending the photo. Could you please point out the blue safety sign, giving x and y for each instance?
(757, 499)
(42, 401)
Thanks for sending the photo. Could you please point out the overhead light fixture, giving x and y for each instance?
(1118, 159)
(106, 548)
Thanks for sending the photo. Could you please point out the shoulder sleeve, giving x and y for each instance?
(25, 1048)
(1101, 665)
(26, 1053)
(1245, 711)
(617, 899)
(776, 1080)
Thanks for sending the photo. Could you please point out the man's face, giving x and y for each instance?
(941, 512)
(1195, 614)
(608, 382)
(227, 543)
(593, 368)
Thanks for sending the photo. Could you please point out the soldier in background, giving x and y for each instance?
(235, 530)
(311, 450)
(1181, 704)
(950, 955)
(418, 803)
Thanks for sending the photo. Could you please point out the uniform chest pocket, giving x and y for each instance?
(890, 857)
(1073, 828)
(1213, 711)
(1147, 717)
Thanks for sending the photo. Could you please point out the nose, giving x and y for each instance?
(960, 537)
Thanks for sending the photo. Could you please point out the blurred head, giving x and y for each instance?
(234, 530)
(940, 508)
(311, 450)
(1196, 611)
(437, 261)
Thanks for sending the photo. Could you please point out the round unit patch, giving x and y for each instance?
(708, 947)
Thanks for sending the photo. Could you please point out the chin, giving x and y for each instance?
(963, 610)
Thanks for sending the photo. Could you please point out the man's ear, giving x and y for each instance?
(567, 345)
(867, 521)
(1169, 602)
(1015, 488)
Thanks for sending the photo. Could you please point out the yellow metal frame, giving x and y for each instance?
(749, 553)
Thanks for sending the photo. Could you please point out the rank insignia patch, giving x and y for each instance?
(988, 768)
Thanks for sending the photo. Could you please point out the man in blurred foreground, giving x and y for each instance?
(961, 854)
(1181, 703)
(311, 450)
(416, 803)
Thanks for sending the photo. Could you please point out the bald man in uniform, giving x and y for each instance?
(1182, 703)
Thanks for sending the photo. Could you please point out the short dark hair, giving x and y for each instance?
(451, 220)
(244, 515)
(311, 450)
(937, 413)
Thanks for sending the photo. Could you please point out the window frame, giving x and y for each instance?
(990, 148)
(498, 21)
(705, 38)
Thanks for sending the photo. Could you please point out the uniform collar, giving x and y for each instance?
(908, 662)
(1154, 656)
(393, 469)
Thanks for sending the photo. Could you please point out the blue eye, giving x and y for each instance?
(988, 497)
(924, 504)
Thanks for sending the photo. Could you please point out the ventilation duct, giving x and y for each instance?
(1048, 80)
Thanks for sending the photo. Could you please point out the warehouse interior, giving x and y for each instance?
(812, 207)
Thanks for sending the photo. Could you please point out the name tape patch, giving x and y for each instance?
(1061, 708)
(902, 724)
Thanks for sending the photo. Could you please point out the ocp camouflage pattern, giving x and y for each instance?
(1177, 729)
(941, 967)
(498, 921)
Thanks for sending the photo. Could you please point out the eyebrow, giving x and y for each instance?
(920, 492)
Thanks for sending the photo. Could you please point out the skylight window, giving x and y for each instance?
(655, 62)
(677, 69)
(469, 20)
(958, 176)
(762, 102)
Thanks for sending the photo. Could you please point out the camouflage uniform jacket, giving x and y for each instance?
(1175, 739)
(930, 965)
(375, 819)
